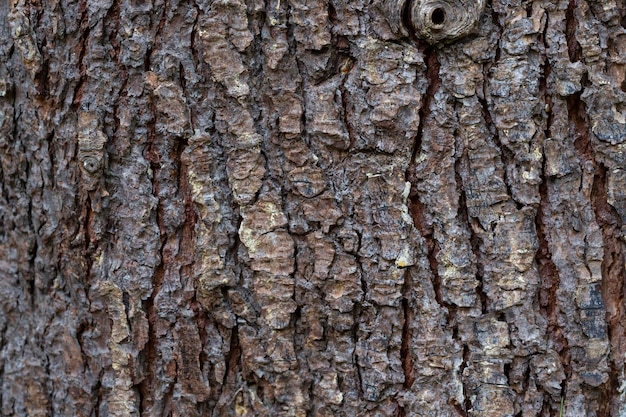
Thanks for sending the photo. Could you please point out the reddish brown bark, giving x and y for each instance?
(312, 208)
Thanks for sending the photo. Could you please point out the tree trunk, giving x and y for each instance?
(312, 208)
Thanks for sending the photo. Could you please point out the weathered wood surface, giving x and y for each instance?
(289, 208)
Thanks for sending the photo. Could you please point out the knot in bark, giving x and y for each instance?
(444, 21)
(91, 164)
(435, 21)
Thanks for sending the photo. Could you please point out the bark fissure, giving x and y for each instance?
(405, 349)
(506, 154)
(354, 332)
(467, 402)
(346, 113)
(41, 80)
(613, 284)
(416, 208)
(192, 41)
(549, 278)
(550, 281)
(433, 84)
(613, 272)
(32, 255)
(165, 281)
(232, 360)
(147, 387)
(464, 218)
(574, 49)
(432, 248)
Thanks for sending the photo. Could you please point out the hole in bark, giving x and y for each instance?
(438, 16)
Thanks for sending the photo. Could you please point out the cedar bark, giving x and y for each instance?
(290, 208)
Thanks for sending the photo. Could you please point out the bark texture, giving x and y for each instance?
(303, 208)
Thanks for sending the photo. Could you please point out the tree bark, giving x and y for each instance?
(312, 208)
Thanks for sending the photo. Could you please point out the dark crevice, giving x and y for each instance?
(507, 373)
(405, 349)
(32, 256)
(157, 34)
(613, 273)
(98, 397)
(417, 213)
(346, 105)
(463, 217)
(416, 208)
(232, 359)
(547, 270)
(406, 21)
(51, 145)
(574, 49)
(462, 408)
(87, 217)
(529, 9)
(112, 22)
(458, 408)
(126, 304)
(549, 283)
(147, 387)
(543, 88)
(151, 46)
(332, 14)
(613, 285)
(467, 404)
(192, 42)
(434, 82)
(42, 80)
(354, 333)
(162, 20)
(507, 157)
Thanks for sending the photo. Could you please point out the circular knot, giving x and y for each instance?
(443, 21)
(91, 164)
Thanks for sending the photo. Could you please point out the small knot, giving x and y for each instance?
(444, 21)
(91, 164)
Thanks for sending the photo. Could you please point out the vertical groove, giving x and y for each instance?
(573, 47)
(613, 273)
(416, 208)
(464, 218)
(613, 282)
(405, 349)
(549, 286)
(549, 278)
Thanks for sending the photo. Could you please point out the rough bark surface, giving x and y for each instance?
(301, 208)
